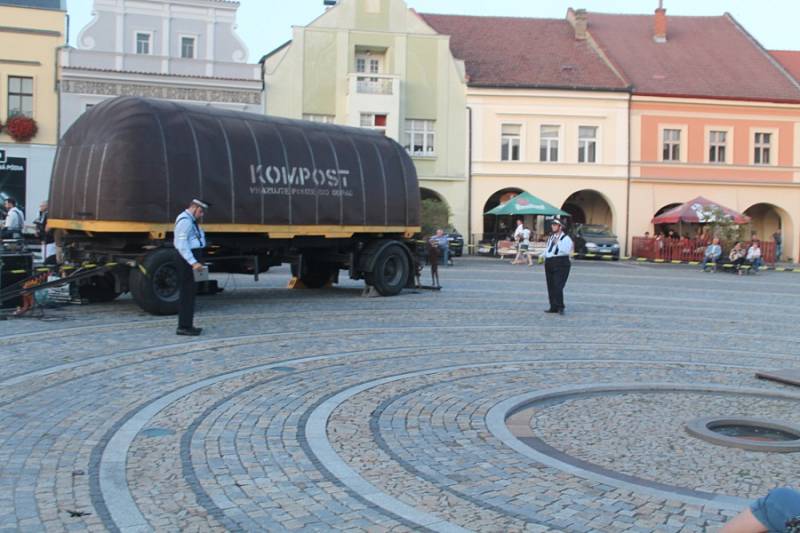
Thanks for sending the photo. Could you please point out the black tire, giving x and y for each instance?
(391, 271)
(157, 289)
(99, 289)
(316, 274)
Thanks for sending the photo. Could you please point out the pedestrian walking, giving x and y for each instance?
(557, 265)
(189, 240)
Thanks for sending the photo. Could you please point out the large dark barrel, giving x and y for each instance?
(142, 161)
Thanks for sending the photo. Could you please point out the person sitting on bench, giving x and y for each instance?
(754, 255)
(712, 254)
(738, 256)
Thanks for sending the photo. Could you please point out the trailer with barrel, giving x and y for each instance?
(322, 197)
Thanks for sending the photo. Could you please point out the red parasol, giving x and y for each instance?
(696, 212)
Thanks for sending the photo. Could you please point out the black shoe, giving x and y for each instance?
(551, 310)
(191, 332)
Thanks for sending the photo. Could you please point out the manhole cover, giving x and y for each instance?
(754, 434)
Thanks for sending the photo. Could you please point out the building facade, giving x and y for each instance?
(184, 50)
(731, 134)
(31, 32)
(553, 123)
(376, 64)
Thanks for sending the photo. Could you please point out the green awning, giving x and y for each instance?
(527, 204)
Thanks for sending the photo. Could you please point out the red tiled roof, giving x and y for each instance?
(524, 52)
(790, 59)
(703, 57)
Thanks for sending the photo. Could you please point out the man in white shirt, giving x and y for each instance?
(556, 265)
(754, 255)
(518, 231)
(14, 222)
(188, 238)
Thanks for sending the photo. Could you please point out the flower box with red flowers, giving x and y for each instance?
(21, 128)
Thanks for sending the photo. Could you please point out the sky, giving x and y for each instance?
(266, 24)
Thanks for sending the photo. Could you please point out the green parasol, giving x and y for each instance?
(526, 204)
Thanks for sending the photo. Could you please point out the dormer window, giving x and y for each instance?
(188, 47)
(143, 42)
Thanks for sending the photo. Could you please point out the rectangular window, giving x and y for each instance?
(420, 137)
(143, 43)
(763, 147)
(187, 47)
(325, 119)
(672, 145)
(20, 96)
(361, 64)
(587, 144)
(375, 121)
(374, 66)
(548, 143)
(717, 146)
(510, 142)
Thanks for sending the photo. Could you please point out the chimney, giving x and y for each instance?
(660, 24)
(580, 24)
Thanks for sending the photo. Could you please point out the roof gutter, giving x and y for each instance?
(548, 87)
(724, 98)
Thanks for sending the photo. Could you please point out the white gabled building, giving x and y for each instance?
(184, 50)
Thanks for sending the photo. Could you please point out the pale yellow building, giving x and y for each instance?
(377, 64)
(549, 116)
(30, 34)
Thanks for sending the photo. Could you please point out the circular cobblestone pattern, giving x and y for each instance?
(324, 410)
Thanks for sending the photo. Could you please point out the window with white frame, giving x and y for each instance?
(510, 135)
(548, 143)
(188, 47)
(762, 148)
(420, 137)
(375, 121)
(671, 145)
(143, 42)
(587, 144)
(20, 96)
(361, 64)
(717, 146)
(325, 119)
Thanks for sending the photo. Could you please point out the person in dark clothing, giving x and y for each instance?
(557, 265)
(433, 261)
(45, 236)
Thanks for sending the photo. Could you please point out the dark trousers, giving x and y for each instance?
(556, 272)
(187, 287)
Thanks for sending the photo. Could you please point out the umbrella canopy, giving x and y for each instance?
(699, 211)
(526, 204)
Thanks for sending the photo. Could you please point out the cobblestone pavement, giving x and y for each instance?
(467, 409)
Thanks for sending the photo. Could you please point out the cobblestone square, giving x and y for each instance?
(465, 409)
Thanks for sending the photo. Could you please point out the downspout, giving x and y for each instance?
(469, 178)
(628, 192)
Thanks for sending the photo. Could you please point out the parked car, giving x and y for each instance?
(456, 242)
(595, 239)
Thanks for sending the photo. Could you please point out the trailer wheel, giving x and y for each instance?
(157, 290)
(391, 271)
(315, 273)
(99, 289)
